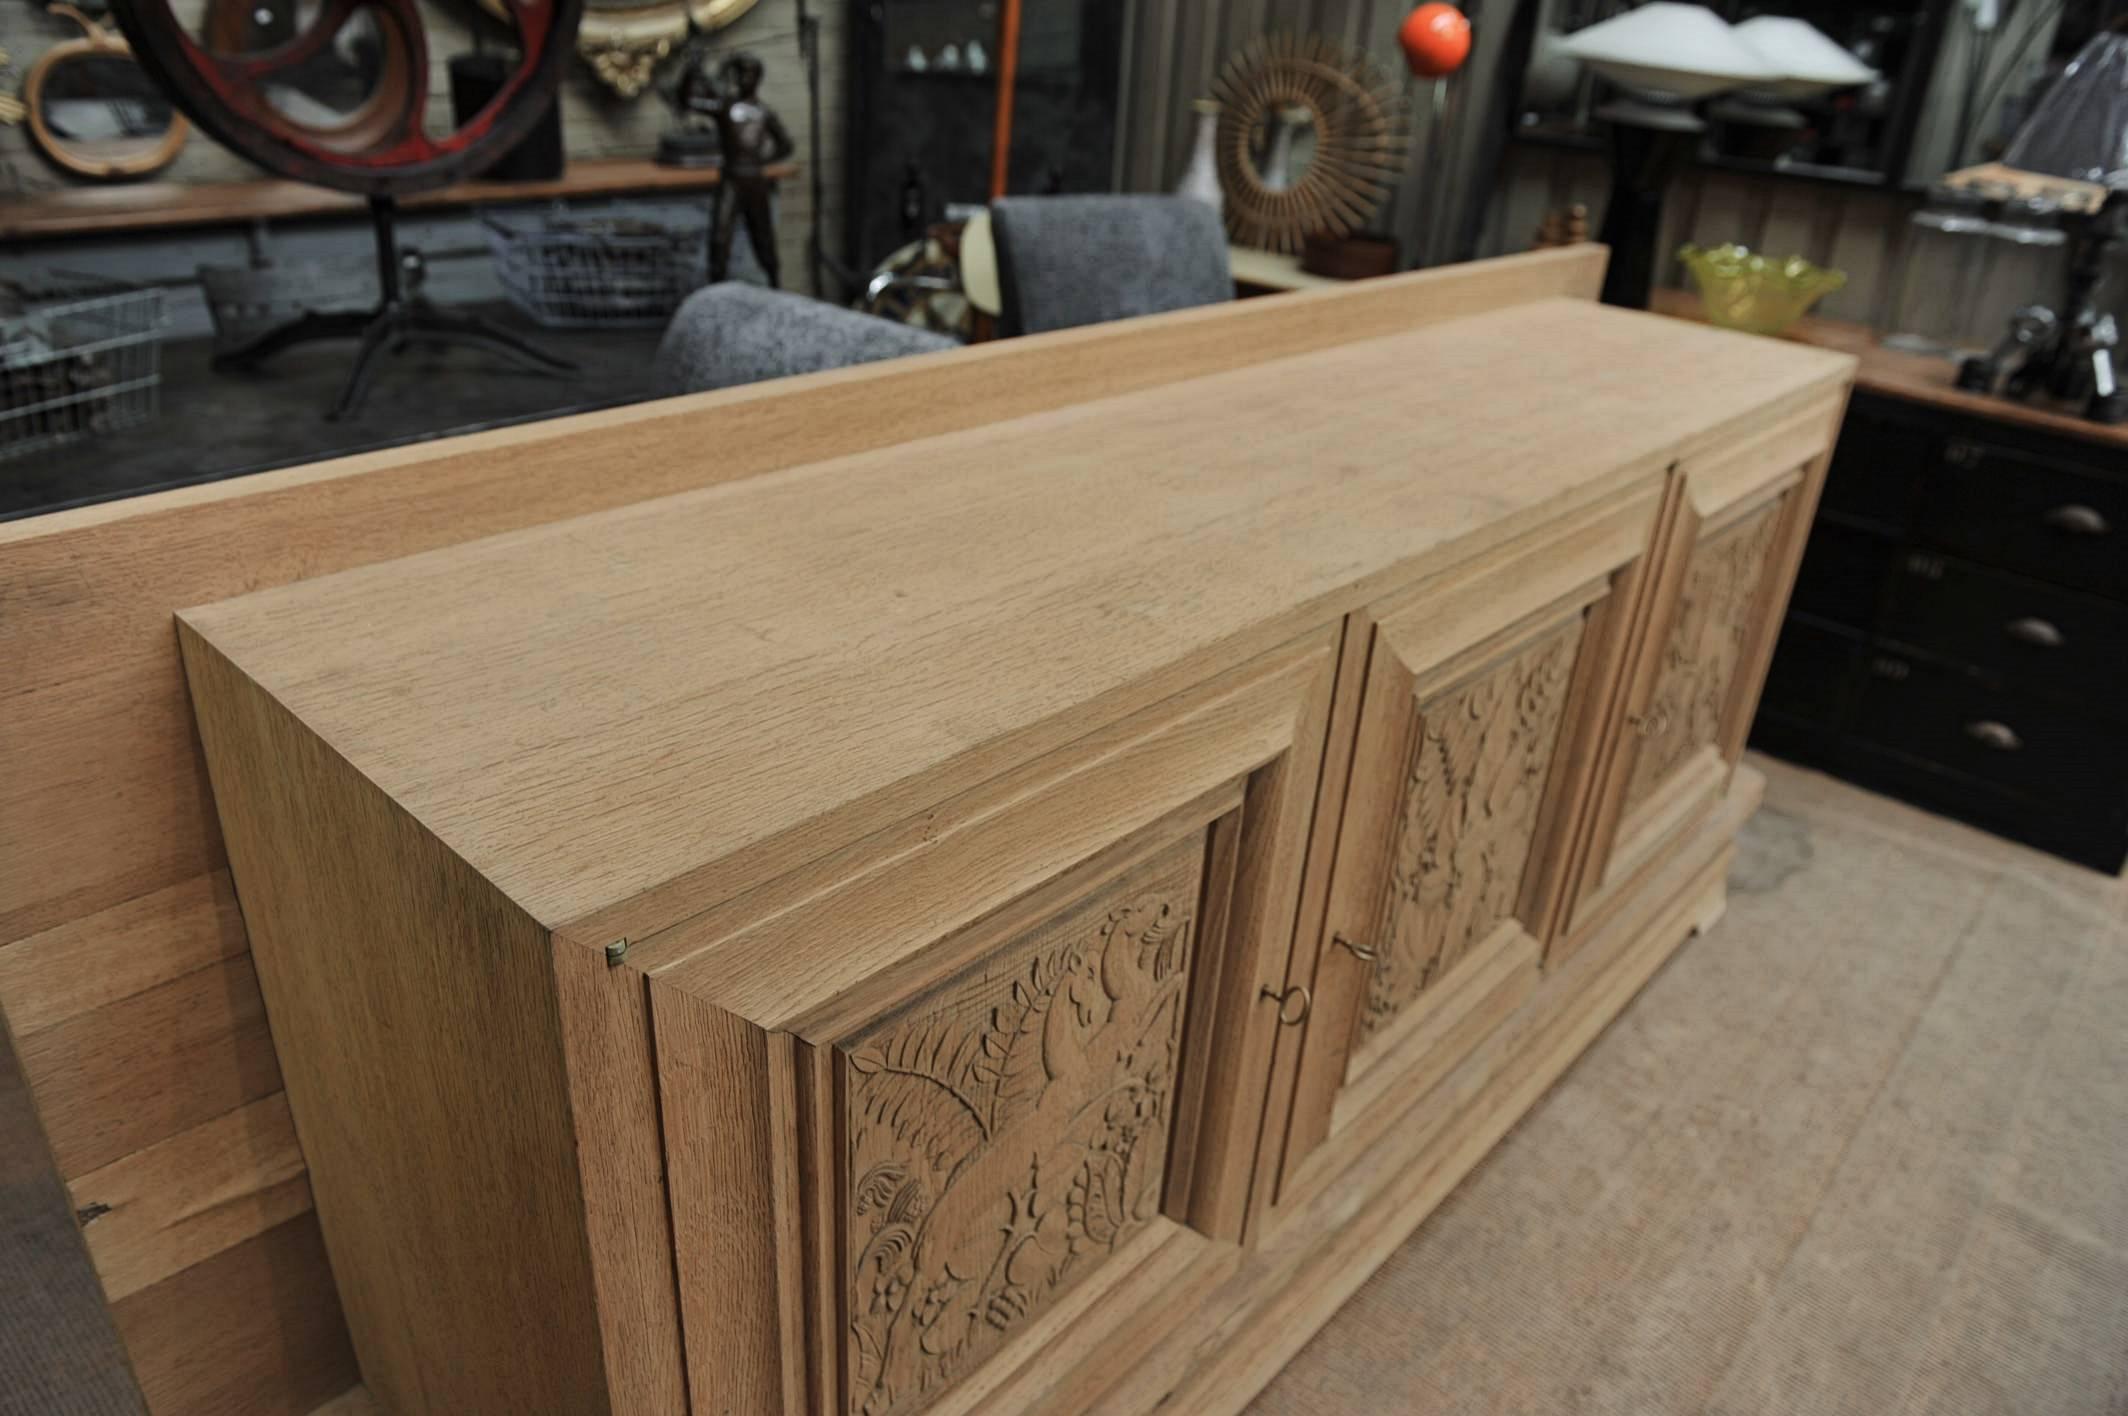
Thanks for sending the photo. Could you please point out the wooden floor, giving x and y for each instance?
(1861, 1149)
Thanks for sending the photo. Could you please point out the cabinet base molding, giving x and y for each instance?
(1290, 1285)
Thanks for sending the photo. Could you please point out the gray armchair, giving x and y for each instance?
(1065, 261)
(732, 333)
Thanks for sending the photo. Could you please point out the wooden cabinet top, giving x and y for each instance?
(626, 718)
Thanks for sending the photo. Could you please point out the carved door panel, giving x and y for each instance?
(1006, 1135)
(1473, 755)
(1692, 693)
(1700, 656)
(1035, 1118)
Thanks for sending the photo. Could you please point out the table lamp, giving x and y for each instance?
(1665, 57)
(2079, 133)
(1436, 40)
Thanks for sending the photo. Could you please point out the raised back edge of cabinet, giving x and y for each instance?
(629, 719)
(123, 957)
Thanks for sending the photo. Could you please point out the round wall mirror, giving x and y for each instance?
(1310, 139)
(1283, 145)
(94, 112)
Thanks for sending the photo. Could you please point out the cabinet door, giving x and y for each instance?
(1694, 684)
(1483, 699)
(1004, 1137)
(992, 1092)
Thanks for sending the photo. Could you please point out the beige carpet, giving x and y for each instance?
(1861, 1149)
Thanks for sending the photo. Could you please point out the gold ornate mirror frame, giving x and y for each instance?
(95, 39)
(1358, 114)
(624, 44)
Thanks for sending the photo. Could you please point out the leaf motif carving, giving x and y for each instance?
(1474, 782)
(1706, 645)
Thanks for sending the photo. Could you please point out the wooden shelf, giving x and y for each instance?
(1913, 377)
(145, 206)
(1268, 270)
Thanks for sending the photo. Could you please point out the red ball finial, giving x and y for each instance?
(1436, 40)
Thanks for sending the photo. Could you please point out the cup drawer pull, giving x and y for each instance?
(2000, 736)
(2035, 631)
(2078, 520)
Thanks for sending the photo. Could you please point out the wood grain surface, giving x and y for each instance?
(114, 884)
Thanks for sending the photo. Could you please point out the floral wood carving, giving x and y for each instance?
(625, 65)
(1705, 646)
(1009, 1131)
(1479, 758)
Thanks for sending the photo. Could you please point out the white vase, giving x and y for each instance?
(1201, 178)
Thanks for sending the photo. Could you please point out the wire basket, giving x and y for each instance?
(607, 272)
(75, 365)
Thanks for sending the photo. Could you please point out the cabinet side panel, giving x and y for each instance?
(414, 1012)
(733, 1215)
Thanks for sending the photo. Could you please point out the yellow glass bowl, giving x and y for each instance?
(1753, 293)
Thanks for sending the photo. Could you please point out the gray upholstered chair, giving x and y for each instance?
(732, 333)
(1065, 261)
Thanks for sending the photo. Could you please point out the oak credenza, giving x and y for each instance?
(1022, 919)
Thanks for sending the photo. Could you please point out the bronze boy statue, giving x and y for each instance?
(753, 139)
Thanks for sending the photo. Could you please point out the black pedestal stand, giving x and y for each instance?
(401, 318)
(1650, 143)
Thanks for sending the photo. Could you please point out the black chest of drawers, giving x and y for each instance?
(1958, 636)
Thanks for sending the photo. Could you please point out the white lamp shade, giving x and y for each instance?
(1683, 51)
(1807, 60)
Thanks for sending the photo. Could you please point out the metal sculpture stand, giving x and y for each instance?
(402, 317)
(2069, 358)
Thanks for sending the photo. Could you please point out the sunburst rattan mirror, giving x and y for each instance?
(1311, 137)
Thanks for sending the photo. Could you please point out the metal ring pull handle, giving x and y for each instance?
(2078, 520)
(1365, 953)
(2036, 631)
(1650, 725)
(2000, 736)
(1288, 1014)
